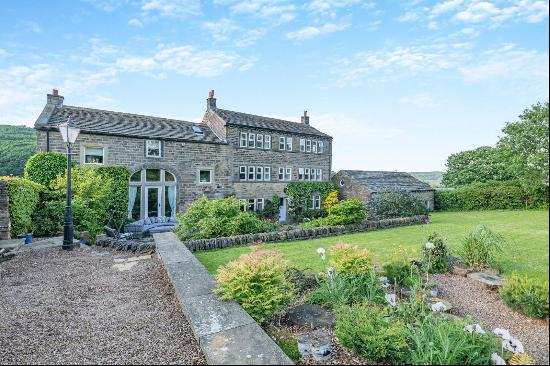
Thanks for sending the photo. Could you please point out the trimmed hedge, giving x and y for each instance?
(24, 198)
(44, 167)
(489, 196)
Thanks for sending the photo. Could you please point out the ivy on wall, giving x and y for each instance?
(300, 198)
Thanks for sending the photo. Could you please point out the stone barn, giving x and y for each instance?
(362, 185)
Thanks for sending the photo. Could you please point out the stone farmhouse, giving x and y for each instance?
(172, 162)
(363, 185)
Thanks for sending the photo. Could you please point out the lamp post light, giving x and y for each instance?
(69, 133)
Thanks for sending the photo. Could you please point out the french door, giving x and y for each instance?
(153, 201)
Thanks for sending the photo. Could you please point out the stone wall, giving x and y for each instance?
(5, 225)
(302, 234)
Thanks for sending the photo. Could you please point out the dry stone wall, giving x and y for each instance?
(302, 234)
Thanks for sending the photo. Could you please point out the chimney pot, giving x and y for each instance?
(305, 118)
(55, 99)
(211, 101)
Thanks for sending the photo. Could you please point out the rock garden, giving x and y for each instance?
(423, 306)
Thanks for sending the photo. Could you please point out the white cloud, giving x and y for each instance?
(220, 30)
(477, 12)
(249, 37)
(445, 7)
(311, 32)
(409, 16)
(373, 26)
(508, 62)
(325, 5)
(135, 22)
(172, 8)
(419, 100)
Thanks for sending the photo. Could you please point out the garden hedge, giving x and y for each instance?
(490, 196)
(24, 198)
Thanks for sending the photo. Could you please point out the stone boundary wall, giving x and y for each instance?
(302, 234)
(5, 224)
(226, 333)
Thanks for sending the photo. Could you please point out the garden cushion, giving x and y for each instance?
(151, 225)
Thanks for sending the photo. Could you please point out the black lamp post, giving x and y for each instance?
(69, 133)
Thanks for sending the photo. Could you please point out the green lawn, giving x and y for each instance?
(525, 231)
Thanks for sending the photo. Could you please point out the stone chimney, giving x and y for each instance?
(211, 101)
(305, 118)
(55, 99)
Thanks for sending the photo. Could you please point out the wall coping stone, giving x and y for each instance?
(226, 333)
(302, 234)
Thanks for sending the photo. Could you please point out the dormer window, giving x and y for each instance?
(153, 149)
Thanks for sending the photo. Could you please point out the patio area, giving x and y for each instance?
(91, 306)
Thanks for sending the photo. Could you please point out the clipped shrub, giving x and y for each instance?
(206, 219)
(91, 197)
(439, 341)
(526, 295)
(331, 200)
(44, 167)
(24, 197)
(347, 212)
(347, 289)
(367, 330)
(257, 282)
(435, 255)
(350, 259)
(119, 176)
(400, 270)
(480, 248)
(397, 203)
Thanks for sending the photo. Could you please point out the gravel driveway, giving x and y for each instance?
(470, 297)
(59, 307)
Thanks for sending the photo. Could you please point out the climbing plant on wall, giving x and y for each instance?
(300, 199)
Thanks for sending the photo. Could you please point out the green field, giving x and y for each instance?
(526, 233)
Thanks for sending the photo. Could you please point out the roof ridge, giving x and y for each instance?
(257, 115)
(132, 114)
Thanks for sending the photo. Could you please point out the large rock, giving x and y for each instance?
(310, 315)
(317, 344)
(490, 280)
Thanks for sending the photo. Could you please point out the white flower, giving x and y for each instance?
(502, 333)
(513, 345)
(429, 245)
(439, 307)
(383, 279)
(330, 272)
(321, 251)
(474, 328)
(391, 299)
(497, 360)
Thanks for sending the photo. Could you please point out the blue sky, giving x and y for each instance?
(399, 84)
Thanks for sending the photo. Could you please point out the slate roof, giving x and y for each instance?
(131, 125)
(384, 181)
(251, 120)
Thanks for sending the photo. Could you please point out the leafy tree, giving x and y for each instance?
(17, 144)
(44, 167)
(480, 165)
(525, 146)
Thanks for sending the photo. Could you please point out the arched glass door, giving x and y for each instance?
(151, 193)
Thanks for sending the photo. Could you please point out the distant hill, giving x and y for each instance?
(17, 144)
(432, 178)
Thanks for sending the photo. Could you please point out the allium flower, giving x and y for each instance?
(513, 345)
(497, 360)
(439, 307)
(330, 272)
(321, 251)
(502, 333)
(429, 245)
(474, 328)
(391, 299)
